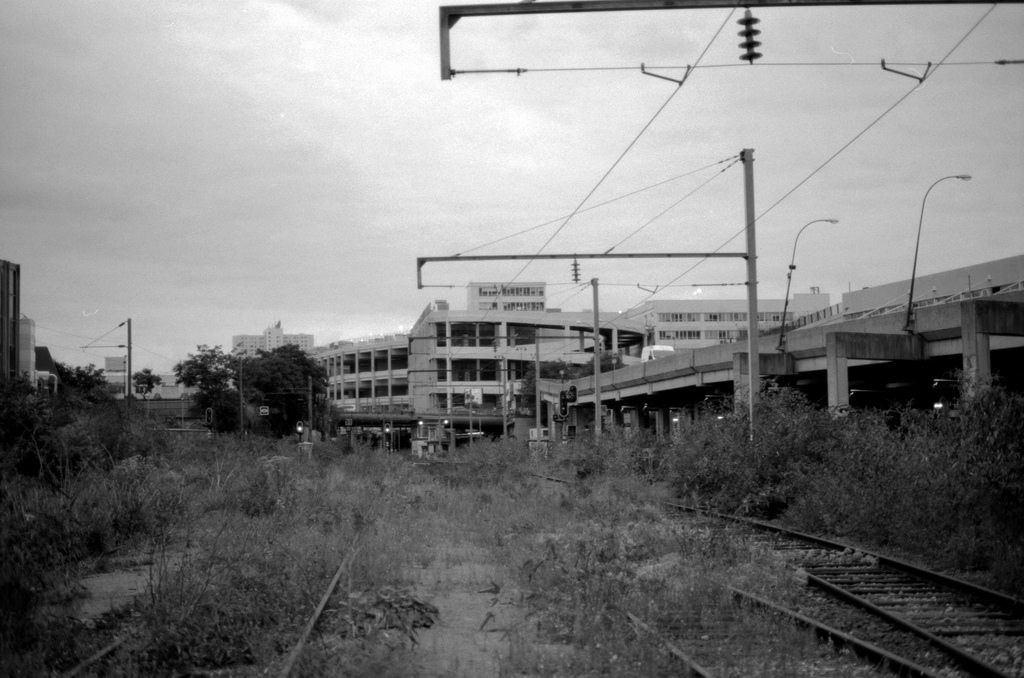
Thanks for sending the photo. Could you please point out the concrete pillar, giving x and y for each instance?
(837, 371)
(662, 423)
(740, 382)
(977, 358)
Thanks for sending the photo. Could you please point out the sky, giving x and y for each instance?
(208, 169)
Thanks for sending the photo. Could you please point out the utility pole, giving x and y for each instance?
(536, 382)
(597, 364)
(129, 390)
(503, 365)
(309, 386)
(241, 402)
(754, 359)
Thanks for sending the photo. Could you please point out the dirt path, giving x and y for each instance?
(477, 614)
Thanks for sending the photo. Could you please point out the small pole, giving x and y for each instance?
(536, 382)
(504, 398)
(597, 364)
(128, 392)
(754, 359)
(241, 406)
(309, 382)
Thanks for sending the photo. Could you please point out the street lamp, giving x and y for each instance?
(241, 407)
(789, 279)
(917, 245)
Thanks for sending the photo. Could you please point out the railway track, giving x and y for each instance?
(980, 631)
(914, 621)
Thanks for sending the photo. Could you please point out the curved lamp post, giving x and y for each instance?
(917, 245)
(789, 279)
(241, 405)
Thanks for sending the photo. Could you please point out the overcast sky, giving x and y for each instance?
(209, 168)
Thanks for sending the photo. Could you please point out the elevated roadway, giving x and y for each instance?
(838, 363)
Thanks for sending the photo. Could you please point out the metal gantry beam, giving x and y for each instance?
(450, 14)
(420, 261)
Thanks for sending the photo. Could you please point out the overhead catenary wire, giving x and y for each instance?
(624, 153)
(672, 206)
(832, 157)
(598, 205)
(784, 64)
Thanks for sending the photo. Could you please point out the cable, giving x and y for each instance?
(624, 153)
(601, 204)
(813, 64)
(100, 337)
(77, 336)
(136, 345)
(830, 159)
(672, 206)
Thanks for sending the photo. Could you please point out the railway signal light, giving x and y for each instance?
(298, 427)
(571, 394)
(748, 33)
(209, 416)
(563, 403)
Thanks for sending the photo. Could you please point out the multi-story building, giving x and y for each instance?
(462, 359)
(10, 313)
(454, 359)
(272, 337)
(506, 297)
(695, 323)
(369, 374)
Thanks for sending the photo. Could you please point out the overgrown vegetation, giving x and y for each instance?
(948, 490)
(242, 537)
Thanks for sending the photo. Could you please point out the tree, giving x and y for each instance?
(86, 382)
(145, 381)
(280, 379)
(210, 371)
(562, 370)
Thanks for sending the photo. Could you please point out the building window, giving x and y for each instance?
(523, 306)
(725, 335)
(725, 317)
(678, 317)
(679, 335)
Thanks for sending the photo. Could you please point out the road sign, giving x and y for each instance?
(264, 410)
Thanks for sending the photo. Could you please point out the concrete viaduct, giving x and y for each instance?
(842, 363)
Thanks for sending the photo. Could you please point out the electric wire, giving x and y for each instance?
(100, 337)
(600, 204)
(672, 206)
(624, 153)
(785, 64)
(830, 159)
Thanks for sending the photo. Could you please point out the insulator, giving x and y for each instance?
(748, 32)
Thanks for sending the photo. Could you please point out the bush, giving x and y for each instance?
(948, 489)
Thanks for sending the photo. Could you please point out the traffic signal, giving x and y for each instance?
(298, 427)
(748, 33)
(209, 416)
(571, 395)
(563, 403)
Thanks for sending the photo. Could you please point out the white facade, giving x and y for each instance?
(272, 337)
(695, 323)
(526, 296)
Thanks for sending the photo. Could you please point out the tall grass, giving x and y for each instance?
(949, 490)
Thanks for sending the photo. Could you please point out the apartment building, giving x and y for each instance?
(272, 337)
